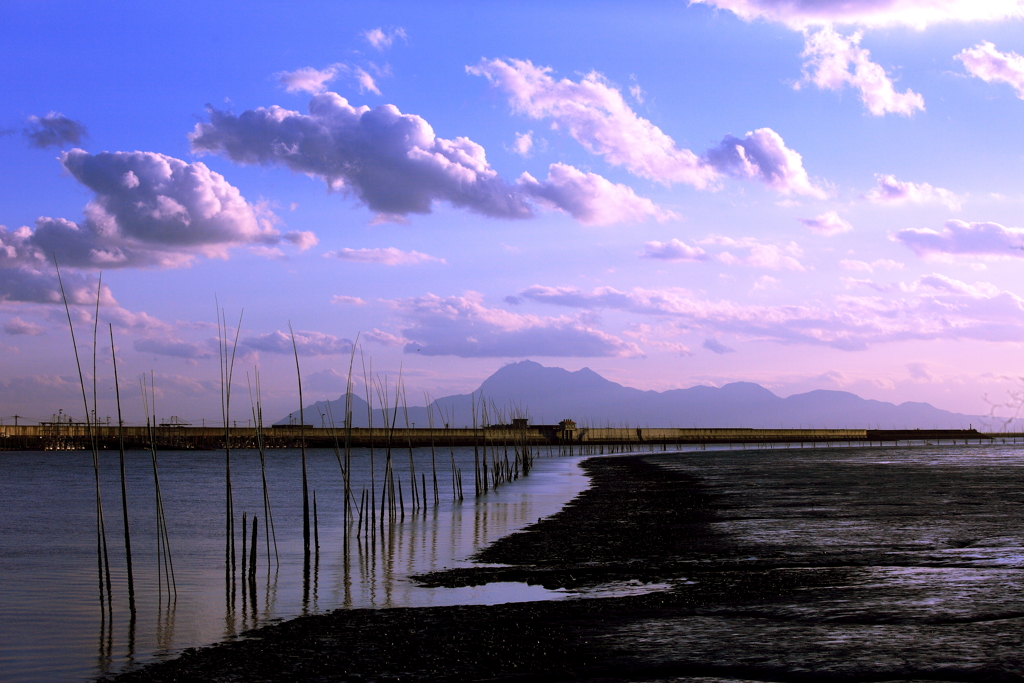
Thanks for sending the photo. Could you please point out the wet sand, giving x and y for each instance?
(739, 598)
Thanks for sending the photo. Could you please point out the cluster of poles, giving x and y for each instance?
(379, 506)
(166, 584)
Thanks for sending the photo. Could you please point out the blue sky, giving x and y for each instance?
(804, 195)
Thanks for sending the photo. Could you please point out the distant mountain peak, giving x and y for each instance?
(550, 394)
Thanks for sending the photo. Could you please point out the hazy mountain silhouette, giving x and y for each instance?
(549, 394)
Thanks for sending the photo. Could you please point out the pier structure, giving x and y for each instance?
(75, 436)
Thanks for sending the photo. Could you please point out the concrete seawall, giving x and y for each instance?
(76, 436)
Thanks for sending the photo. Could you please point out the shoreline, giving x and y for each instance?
(722, 614)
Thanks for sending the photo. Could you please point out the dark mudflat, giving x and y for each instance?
(722, 614)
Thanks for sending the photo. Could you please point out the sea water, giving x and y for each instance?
(53, 627)
(925, 543)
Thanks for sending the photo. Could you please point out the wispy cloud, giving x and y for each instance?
(673, 250)
(932, 307)
(864, 266)
(308, 343)
(992, 66)
(828, 224)
(523, 146)
(715, 346)
(915, 13)
(351, 300)
(596, 115)
(18, 326)
(53, 130)
(388, 257)
(463, 326)
(957, 238)
(756, 254)
(889, 190)
(385, 338)
(381, 39)
(833, 61)
(175, 348)
(314, 81)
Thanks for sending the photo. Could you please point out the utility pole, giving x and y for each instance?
(16, 419)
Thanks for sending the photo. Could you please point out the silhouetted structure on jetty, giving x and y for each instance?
(74, 436)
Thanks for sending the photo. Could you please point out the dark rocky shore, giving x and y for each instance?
(787, 612)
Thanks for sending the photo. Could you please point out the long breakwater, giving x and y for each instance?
(75, 436)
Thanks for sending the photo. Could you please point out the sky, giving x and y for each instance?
(803, 194)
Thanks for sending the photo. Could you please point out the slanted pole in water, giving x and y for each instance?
(124, 488)
(302, 446)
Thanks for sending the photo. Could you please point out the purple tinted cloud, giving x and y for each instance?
(833, 61)
(933, 307)
(992, 66)
(389, 256)
(307, 343)
(762, 155)
(828, 224)
(18, 326)
(889, 190)
(715, 346)
(390, 161)
(673, 250)
(958, 238)
(149, 210)
(596, 115)
(173, 347)
(53, 130)
(463, 326)
(800, 14)
(589, 198)
(395, 164)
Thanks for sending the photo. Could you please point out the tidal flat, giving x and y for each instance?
(838, 564)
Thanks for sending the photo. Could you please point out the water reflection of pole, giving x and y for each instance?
(105, 651)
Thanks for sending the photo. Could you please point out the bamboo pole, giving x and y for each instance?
(103, 568)
(302, 446)
(124, 488)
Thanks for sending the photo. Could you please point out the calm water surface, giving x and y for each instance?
(925, 544)
(50, 619)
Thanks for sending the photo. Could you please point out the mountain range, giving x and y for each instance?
(548, 395)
